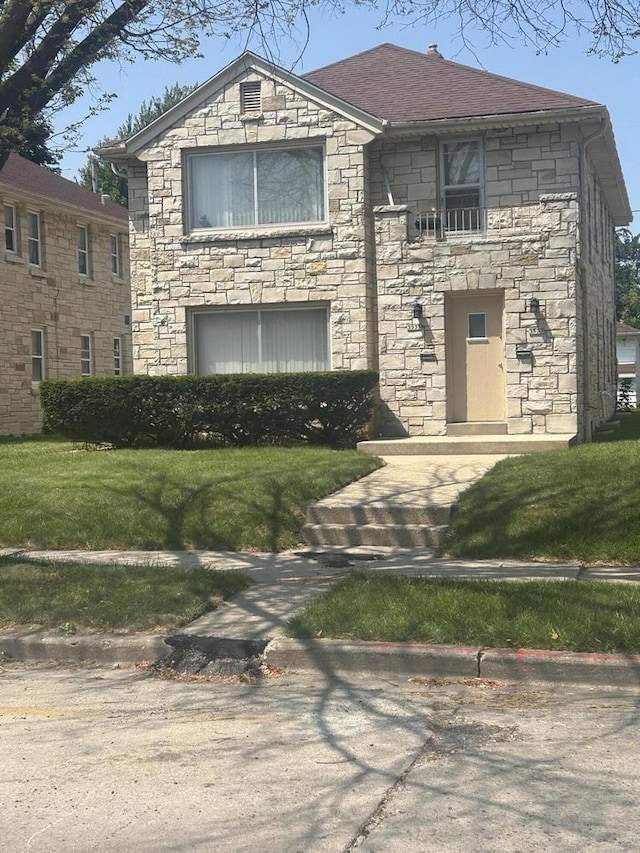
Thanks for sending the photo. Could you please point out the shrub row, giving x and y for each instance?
(188, 411)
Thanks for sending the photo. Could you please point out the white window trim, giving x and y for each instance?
(192, 228)
(13, 229)
(85, 251)
(117, 356)
(480, 186)
(193, 314)
(31, 240)
(41, 358)
(83, 359)
(116, 268)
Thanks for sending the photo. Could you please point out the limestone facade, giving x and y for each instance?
(546, 234)
(56, 303)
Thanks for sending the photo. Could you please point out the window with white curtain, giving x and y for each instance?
(271, 186)
(269, 340)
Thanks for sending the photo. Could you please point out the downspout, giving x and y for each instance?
(584, 281)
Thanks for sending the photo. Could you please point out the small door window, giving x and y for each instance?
(477, 326)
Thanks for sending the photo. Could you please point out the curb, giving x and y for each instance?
(102, 649)
(411, 659)
(332, 657)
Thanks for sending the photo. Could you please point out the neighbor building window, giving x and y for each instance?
(269, 340)
(10, 229)
(116, 255)
(461, 175)
(34, 238)
(117, 357)
(250, 100)
(257, 187)
(83, 250)
(38, 367)
(86, 355)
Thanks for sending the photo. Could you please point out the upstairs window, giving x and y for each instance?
(461, 174)
(275, 186)
(83, 250)
(10, 229)
(34, 239)
(250, 100)
(116, 255)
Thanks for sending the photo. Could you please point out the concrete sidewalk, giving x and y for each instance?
(284, 583)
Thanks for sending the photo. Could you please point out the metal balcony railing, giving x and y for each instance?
(490, 221)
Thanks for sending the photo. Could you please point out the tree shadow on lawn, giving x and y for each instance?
(537, 520)
(212, 515)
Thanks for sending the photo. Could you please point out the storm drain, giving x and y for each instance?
(340, 559)
(213, 656)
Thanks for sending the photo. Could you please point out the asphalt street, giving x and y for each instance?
(121, 760)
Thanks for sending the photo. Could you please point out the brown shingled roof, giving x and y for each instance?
(624, 329)
(403, 86)
(24, 176)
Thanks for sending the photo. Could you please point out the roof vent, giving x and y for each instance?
(433, 50)
(250, 101)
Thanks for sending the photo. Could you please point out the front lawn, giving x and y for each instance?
(57, 495)
(578, 504)
(73, 596)
(570, 615)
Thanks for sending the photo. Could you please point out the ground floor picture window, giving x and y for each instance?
(267, 340)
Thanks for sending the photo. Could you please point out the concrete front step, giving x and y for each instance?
(466, 445)
(477, 428)
(380, 535)
(381, 514)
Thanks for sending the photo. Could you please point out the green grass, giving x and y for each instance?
(76, 596)
(579, 504)
(572, 615)
(55, 495)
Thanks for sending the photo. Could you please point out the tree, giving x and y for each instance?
(48, 47)
(627, 273)
(32, 141)
(97, 174)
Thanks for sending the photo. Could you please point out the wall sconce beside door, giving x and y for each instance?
(417, 311)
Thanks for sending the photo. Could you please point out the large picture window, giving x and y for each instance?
(269, 340)
(461, 167)
(272, 186)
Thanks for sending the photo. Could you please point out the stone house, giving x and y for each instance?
(448, 227)
(64, 284)
(627, 349)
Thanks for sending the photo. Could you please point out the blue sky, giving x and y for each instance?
(568, 69)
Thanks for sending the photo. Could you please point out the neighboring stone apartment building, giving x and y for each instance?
(64, 285)
(448, 227)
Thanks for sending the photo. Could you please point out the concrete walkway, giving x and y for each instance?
(406, 503)
(285, 582)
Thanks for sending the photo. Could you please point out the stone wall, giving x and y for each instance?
(174, 271)
(56, 300)
(520, 164)
(541, 390)
(597, 303)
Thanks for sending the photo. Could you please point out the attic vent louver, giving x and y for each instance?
(250, 101)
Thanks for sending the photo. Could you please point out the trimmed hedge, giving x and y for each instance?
(188, 411)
